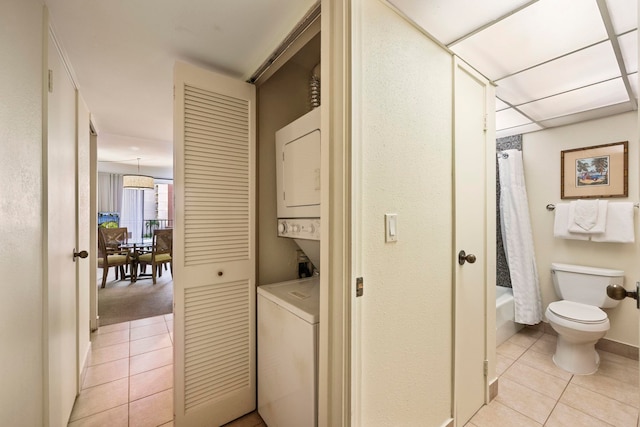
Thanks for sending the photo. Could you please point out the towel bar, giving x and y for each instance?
(551, 206)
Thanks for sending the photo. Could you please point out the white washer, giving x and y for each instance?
(288, 321)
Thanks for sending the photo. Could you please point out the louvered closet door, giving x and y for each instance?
(214, 247)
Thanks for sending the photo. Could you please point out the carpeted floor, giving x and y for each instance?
(121, 300)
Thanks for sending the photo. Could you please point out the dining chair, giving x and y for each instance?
(110, 251)
(161, 251)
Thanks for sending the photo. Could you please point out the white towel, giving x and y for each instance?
(620, 226)
(588, 216)
(561, 224)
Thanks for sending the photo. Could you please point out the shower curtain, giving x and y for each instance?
(518, 238)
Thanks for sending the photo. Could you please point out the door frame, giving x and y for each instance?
(337, 298)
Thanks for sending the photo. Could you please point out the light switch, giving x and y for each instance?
(391, 227)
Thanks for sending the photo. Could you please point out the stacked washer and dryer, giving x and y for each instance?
(288, 312)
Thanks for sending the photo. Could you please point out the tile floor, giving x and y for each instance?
(129, 383)
(129, 379)
(535, 392)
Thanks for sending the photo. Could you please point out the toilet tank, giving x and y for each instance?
(587, 285)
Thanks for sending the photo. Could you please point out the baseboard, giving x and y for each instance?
(85, 365)
(493, 389)
(448, 423)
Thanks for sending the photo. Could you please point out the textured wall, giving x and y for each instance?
(403, 119)
(513, 142)
(21, 201)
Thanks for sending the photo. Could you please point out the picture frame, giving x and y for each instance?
(599, 171)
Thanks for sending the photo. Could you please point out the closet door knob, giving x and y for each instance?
(464, 257)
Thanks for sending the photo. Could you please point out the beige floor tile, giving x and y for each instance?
(100, 398)
(502, 364)
(170, 325)
(151, 360)
(599, 406)
(147, 321)
(168, 316)
(545, 346)
(536, 379)
(106, 372)
(169, 424)
(152, 411)
(146, 345)
(525, 400)
(523, 340)
(252, 419)
(116, 417)
(544, 362)
(566, 416)
(148, 330)
(150, 382)
(108, 354)
(532, 332)
(511, 350)
(111, 338)
(112, 328)
(610, 387)
(496, 414)
(607, 357)
(618, 371)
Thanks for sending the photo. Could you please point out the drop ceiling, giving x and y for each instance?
(554, 62)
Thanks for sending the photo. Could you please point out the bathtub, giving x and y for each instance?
(505, 325)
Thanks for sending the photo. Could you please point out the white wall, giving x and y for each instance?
(403, 127)
(541, 152)
(21, 198)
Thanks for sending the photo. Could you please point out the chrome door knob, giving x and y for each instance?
(464, 257)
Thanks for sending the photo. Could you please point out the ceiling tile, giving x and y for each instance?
(629, 48)
(609, 110)
(442, 18)
(500, 105)
(588, 98)
(531, 127)
(510, 118)
(540, 32)
(588, 66)
(624, 14)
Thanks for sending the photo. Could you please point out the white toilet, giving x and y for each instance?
(577, 318)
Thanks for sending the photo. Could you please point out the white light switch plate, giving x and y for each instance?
(391, 227)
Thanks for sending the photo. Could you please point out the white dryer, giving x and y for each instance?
(288, 322)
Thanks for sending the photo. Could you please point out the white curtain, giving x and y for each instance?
(109, 192)
(132, 212)
(518, 238)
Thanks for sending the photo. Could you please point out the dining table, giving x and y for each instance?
(136, 248)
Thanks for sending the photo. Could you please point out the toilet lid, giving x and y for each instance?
(578, 312)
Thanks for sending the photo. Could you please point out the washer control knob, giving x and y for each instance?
(282, 227)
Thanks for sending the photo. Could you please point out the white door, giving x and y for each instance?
(471, 92)
(61, 373)
(214, 247)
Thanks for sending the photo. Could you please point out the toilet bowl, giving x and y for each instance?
(579, 327)
(577, 318)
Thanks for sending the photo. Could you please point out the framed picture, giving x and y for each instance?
(595, 172)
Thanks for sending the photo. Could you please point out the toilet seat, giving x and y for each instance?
(577, 312)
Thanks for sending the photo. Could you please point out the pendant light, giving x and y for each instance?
(137, 182)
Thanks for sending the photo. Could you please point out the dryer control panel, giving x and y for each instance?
(299, 228)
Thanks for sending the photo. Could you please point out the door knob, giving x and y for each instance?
(617, 292)
(464, 257)
(81, 254)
